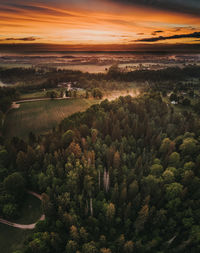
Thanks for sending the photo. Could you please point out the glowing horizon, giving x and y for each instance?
(95, 22)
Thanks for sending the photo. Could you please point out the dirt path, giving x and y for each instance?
(23, 226)
(39, 99)
(16, 104)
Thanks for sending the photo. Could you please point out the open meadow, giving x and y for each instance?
(41, 116)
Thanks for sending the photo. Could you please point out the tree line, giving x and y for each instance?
(34, 79)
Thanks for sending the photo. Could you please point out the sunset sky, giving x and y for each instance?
(100, 22)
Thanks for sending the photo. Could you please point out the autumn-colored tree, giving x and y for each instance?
(75, 149)
(116, 160)
(74, 233)
(105, 250)
(128, 247)
(142, 218)
(110, 211)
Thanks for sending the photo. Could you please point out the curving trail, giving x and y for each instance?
(38, 99)
(23, 226)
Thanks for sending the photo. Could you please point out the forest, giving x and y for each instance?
(29, 79)
(123, 176)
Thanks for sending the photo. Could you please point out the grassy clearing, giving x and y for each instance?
(39, 93)
(12, 239)
(36, 94)
(42, 93)
(41, 116)
(31, 210)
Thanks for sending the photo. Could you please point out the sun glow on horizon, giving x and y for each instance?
(43, 23)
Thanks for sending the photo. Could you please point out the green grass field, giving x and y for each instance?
(38, 94)
(12, 239)
(31, 210)
(41, 116)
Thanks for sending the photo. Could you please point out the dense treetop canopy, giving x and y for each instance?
(121, 177)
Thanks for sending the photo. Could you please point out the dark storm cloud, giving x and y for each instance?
(14, 7)
(19, 39)
(6, 10)
(182, 6)
(155, 32)
(26, 7)
(146, 47)
(180, 36)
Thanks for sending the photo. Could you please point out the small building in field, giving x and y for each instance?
(68, 85)
(174, 102)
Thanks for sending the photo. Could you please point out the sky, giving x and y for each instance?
(100, 22)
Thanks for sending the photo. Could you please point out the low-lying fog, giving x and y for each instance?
(98, 62)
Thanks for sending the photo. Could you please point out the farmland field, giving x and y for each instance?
(41, 116)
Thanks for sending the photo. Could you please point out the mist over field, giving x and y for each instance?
(98, 62)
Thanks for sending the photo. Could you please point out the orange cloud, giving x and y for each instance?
(106, 24)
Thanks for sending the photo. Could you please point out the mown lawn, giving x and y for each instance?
(41, 116)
